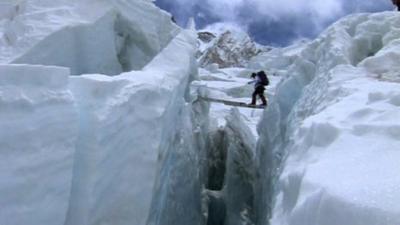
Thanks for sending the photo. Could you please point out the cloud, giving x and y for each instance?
(273, 9)
(270, 21)
(223, 26)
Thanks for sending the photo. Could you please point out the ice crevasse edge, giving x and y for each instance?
(95, 135)
(92, 125)
(331, 137)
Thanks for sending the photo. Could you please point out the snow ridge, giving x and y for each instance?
(69, 31)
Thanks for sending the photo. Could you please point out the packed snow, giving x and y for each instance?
(66, 33)
(38, 132)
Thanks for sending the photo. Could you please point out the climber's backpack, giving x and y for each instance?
(263, 77)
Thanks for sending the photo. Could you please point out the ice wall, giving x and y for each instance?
(328, 141)
(122, 121)
(89, 36)
(104, 142)
(38, 132)
(177, 195)
(230, 175)
(102, 137)
(240, 174)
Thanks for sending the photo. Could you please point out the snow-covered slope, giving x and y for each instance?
(228, 48)
(330, 140)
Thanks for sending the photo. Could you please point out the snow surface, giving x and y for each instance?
(38, 127)
(330, 139)
(66, 33)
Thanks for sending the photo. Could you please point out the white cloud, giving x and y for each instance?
(225, 8)
(223, 26)
(315, 13)
(275, 9)
(287, 19)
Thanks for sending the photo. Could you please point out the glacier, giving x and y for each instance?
(121, 127)
(329, 142)
(66, 33)
(112, 129)
(91, 149)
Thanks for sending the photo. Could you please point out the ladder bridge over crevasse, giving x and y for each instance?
(231, 103)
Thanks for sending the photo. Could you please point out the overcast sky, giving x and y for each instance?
(271, 22)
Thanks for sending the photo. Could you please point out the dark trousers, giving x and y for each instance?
(397, 3)
(260, 92)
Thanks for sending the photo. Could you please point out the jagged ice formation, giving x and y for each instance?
(328, 145)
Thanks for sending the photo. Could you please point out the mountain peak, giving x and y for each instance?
(227, 48)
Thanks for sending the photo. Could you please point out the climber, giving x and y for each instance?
(260, 80)
(396, 3)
